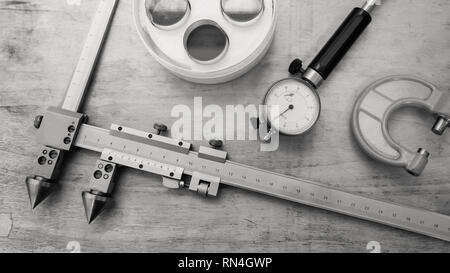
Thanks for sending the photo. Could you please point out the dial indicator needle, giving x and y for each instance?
(291, 107)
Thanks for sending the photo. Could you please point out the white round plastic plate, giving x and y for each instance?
(206, 42)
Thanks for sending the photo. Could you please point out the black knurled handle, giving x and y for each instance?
(335, 49)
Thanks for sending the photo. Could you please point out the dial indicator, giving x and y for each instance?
(297, 104)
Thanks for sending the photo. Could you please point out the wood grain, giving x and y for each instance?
(40, 42)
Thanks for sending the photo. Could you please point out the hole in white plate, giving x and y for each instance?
(242, 11)
(167, 13)
(205, 41)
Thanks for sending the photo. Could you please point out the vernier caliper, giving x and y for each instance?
(62, 129)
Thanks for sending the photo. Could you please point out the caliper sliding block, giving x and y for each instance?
(151, 139)
(212, 154)
(57, 131)
(40, 185)
(59, 128)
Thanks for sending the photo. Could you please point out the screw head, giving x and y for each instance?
(215, 143)
(296, 67)
(160, 127)
(38, 121)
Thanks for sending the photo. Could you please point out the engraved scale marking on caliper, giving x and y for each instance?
(149, 138)
(89, 56)
(141, 163)
(289, 188)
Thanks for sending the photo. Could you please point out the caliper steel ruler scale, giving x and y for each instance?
(180, 167)
(135, 153)
(89, 56)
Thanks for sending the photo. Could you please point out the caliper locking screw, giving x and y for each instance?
(441, 125)
(216, 144)
(38, 121)
(160, 128)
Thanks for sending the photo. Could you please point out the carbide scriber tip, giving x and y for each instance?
(38, 190)
(94, 205)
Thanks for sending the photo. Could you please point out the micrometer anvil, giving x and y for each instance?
(62, 129)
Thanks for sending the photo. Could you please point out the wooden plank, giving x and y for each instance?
(39, 47)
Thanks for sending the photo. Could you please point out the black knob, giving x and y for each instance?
(38, 121)
(215, 143)
(296, 67)
(160, 128)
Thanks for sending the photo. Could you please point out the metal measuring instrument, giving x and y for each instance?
(379, 101)
(62, 129)
(296, 97)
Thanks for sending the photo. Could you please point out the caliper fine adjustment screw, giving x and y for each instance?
(216, 144)
(160, 128)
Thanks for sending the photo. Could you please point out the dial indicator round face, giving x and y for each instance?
(293, 107)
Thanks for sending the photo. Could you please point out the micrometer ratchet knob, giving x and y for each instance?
(441, 125)
(336, 48)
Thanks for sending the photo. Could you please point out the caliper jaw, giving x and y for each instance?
(57, 131)
(100, 190)
(41, 184)
(102, 183)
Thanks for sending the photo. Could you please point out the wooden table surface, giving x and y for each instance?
(40, 42)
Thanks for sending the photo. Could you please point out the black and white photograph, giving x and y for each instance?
(235, 128)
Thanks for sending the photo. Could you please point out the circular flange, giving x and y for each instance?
(297, 106)
(236, 35)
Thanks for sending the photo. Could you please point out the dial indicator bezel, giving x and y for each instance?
(305, 86)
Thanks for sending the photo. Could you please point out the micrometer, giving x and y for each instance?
(379, 101)
(62, 129)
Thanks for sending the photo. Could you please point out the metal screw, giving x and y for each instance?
(38, 121)
(215, 143)
(269, 135)
(160, 128)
